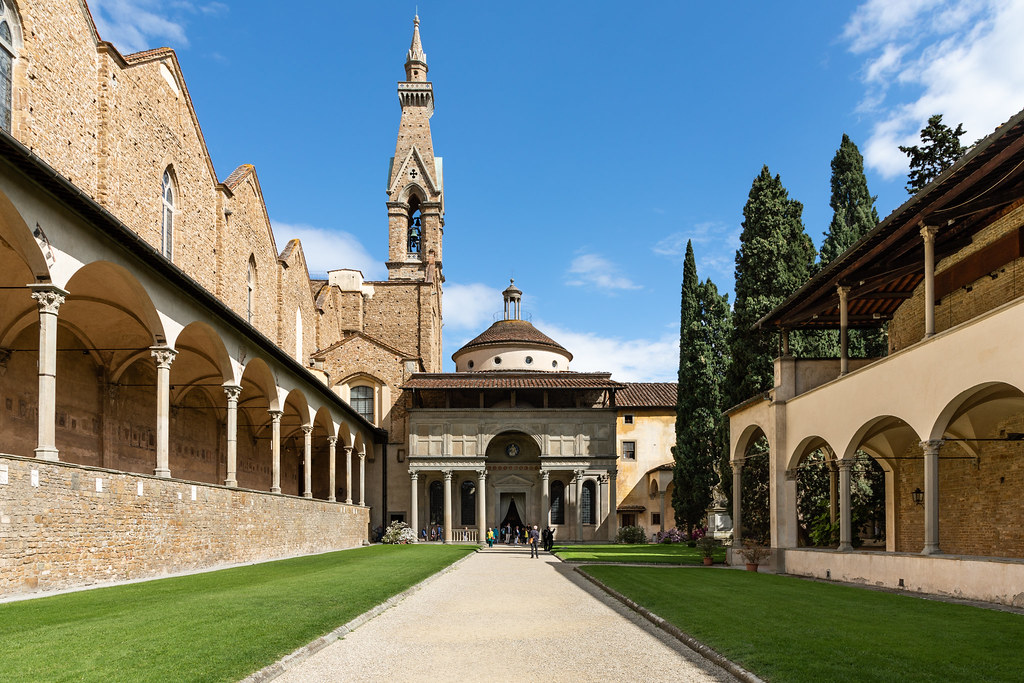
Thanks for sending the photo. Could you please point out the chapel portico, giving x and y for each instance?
(513, 434)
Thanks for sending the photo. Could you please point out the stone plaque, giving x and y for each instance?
(3, 474)
(139, 492)
(99, 485)
(34, 477)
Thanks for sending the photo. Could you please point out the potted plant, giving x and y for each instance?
(753, 554)
(707, 545)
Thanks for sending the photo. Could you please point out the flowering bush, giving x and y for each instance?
(631, 534)
(672, 535)
(398, 532)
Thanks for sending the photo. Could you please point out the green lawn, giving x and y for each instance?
(217, 626)
(787, 629)
(653, 553)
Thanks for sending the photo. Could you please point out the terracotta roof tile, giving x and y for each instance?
(512, 332)
(516, 380)
(237, 175)
(647, 395)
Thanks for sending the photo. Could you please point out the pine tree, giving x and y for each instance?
(775, 257)
(853, 216)
(939, 149)
(700, 433)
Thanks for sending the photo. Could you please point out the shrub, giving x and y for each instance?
(672, 535)
(707, 545)
(631, 534)
(398, 532)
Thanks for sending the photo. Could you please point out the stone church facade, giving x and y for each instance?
(176, 392)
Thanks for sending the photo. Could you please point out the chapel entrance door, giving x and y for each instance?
(512, 515)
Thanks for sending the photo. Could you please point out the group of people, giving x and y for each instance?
(514, 535)
(436, 533)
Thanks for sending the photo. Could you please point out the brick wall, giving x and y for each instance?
(63, 533)
(907, 326)
(979, 500)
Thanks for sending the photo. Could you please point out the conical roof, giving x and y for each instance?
(512, 333)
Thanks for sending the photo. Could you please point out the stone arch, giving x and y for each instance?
(412, 190)
(212, 361)
(750, 435)
(23, 254)
(506, 429)
(976, 411)
(115, 287)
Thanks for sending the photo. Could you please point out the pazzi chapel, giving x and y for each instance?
(177, 393)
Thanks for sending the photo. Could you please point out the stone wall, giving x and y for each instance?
(58, 531)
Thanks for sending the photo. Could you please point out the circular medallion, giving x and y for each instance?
(512, 450)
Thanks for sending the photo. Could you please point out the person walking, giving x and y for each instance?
(490, 538)
(534, 537)
(546, 537)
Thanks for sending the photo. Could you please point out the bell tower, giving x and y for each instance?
(415, 179)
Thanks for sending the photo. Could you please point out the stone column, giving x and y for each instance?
(928, 234)
(348, 475)
(931, 496)
(661, 496)
(275, 450)
(844, 329)
(833, 492)
(414, 505)
(845, 514)
(233, 392)
(579, 505)
(447, 506)
(164, 356)
(737, 503)
(332, 471)
(481, 506)
(602, 499)
(545, 498)
(48, 300)
(613, 507)
(362, 478)
(307, 461)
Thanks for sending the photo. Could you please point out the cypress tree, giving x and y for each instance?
(853, 216)
(775, 257)
(700, 434)
(939, 149)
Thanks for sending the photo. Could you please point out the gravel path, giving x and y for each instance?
(502, 616)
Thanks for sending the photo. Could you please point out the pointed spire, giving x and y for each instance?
(416, 60)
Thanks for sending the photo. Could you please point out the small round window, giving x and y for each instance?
(497, 360)
(529, 360)
(554, 363)
(470, 365)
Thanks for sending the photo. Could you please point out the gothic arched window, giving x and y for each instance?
(557, 502)
(250, 288)
(415, 234)
(362, 401)
(468, 503)
(588, 503)
(8, 26)
(436, 503)
(167, 220)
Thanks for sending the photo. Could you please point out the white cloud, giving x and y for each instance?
(715, 245)
(591, 270)
(134, 25)
(960, 58)
(629, 360)
(330, 249)
(470, 307)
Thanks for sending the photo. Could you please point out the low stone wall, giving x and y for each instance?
(970, 578)
(67, 526)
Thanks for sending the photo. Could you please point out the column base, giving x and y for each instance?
(48, 453)
(331, 499)
(845, 547)
(162, 473)
(275, 489)
(348, 501)
(233, 483)
(307, 495)
(931, 550)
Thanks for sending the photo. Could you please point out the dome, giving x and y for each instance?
(512, 344)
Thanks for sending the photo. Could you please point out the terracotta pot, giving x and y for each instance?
(708, 561)
(751, 567)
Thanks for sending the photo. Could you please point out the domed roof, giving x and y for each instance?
(512, 333)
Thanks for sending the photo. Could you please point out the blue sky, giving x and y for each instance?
(584, 142)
